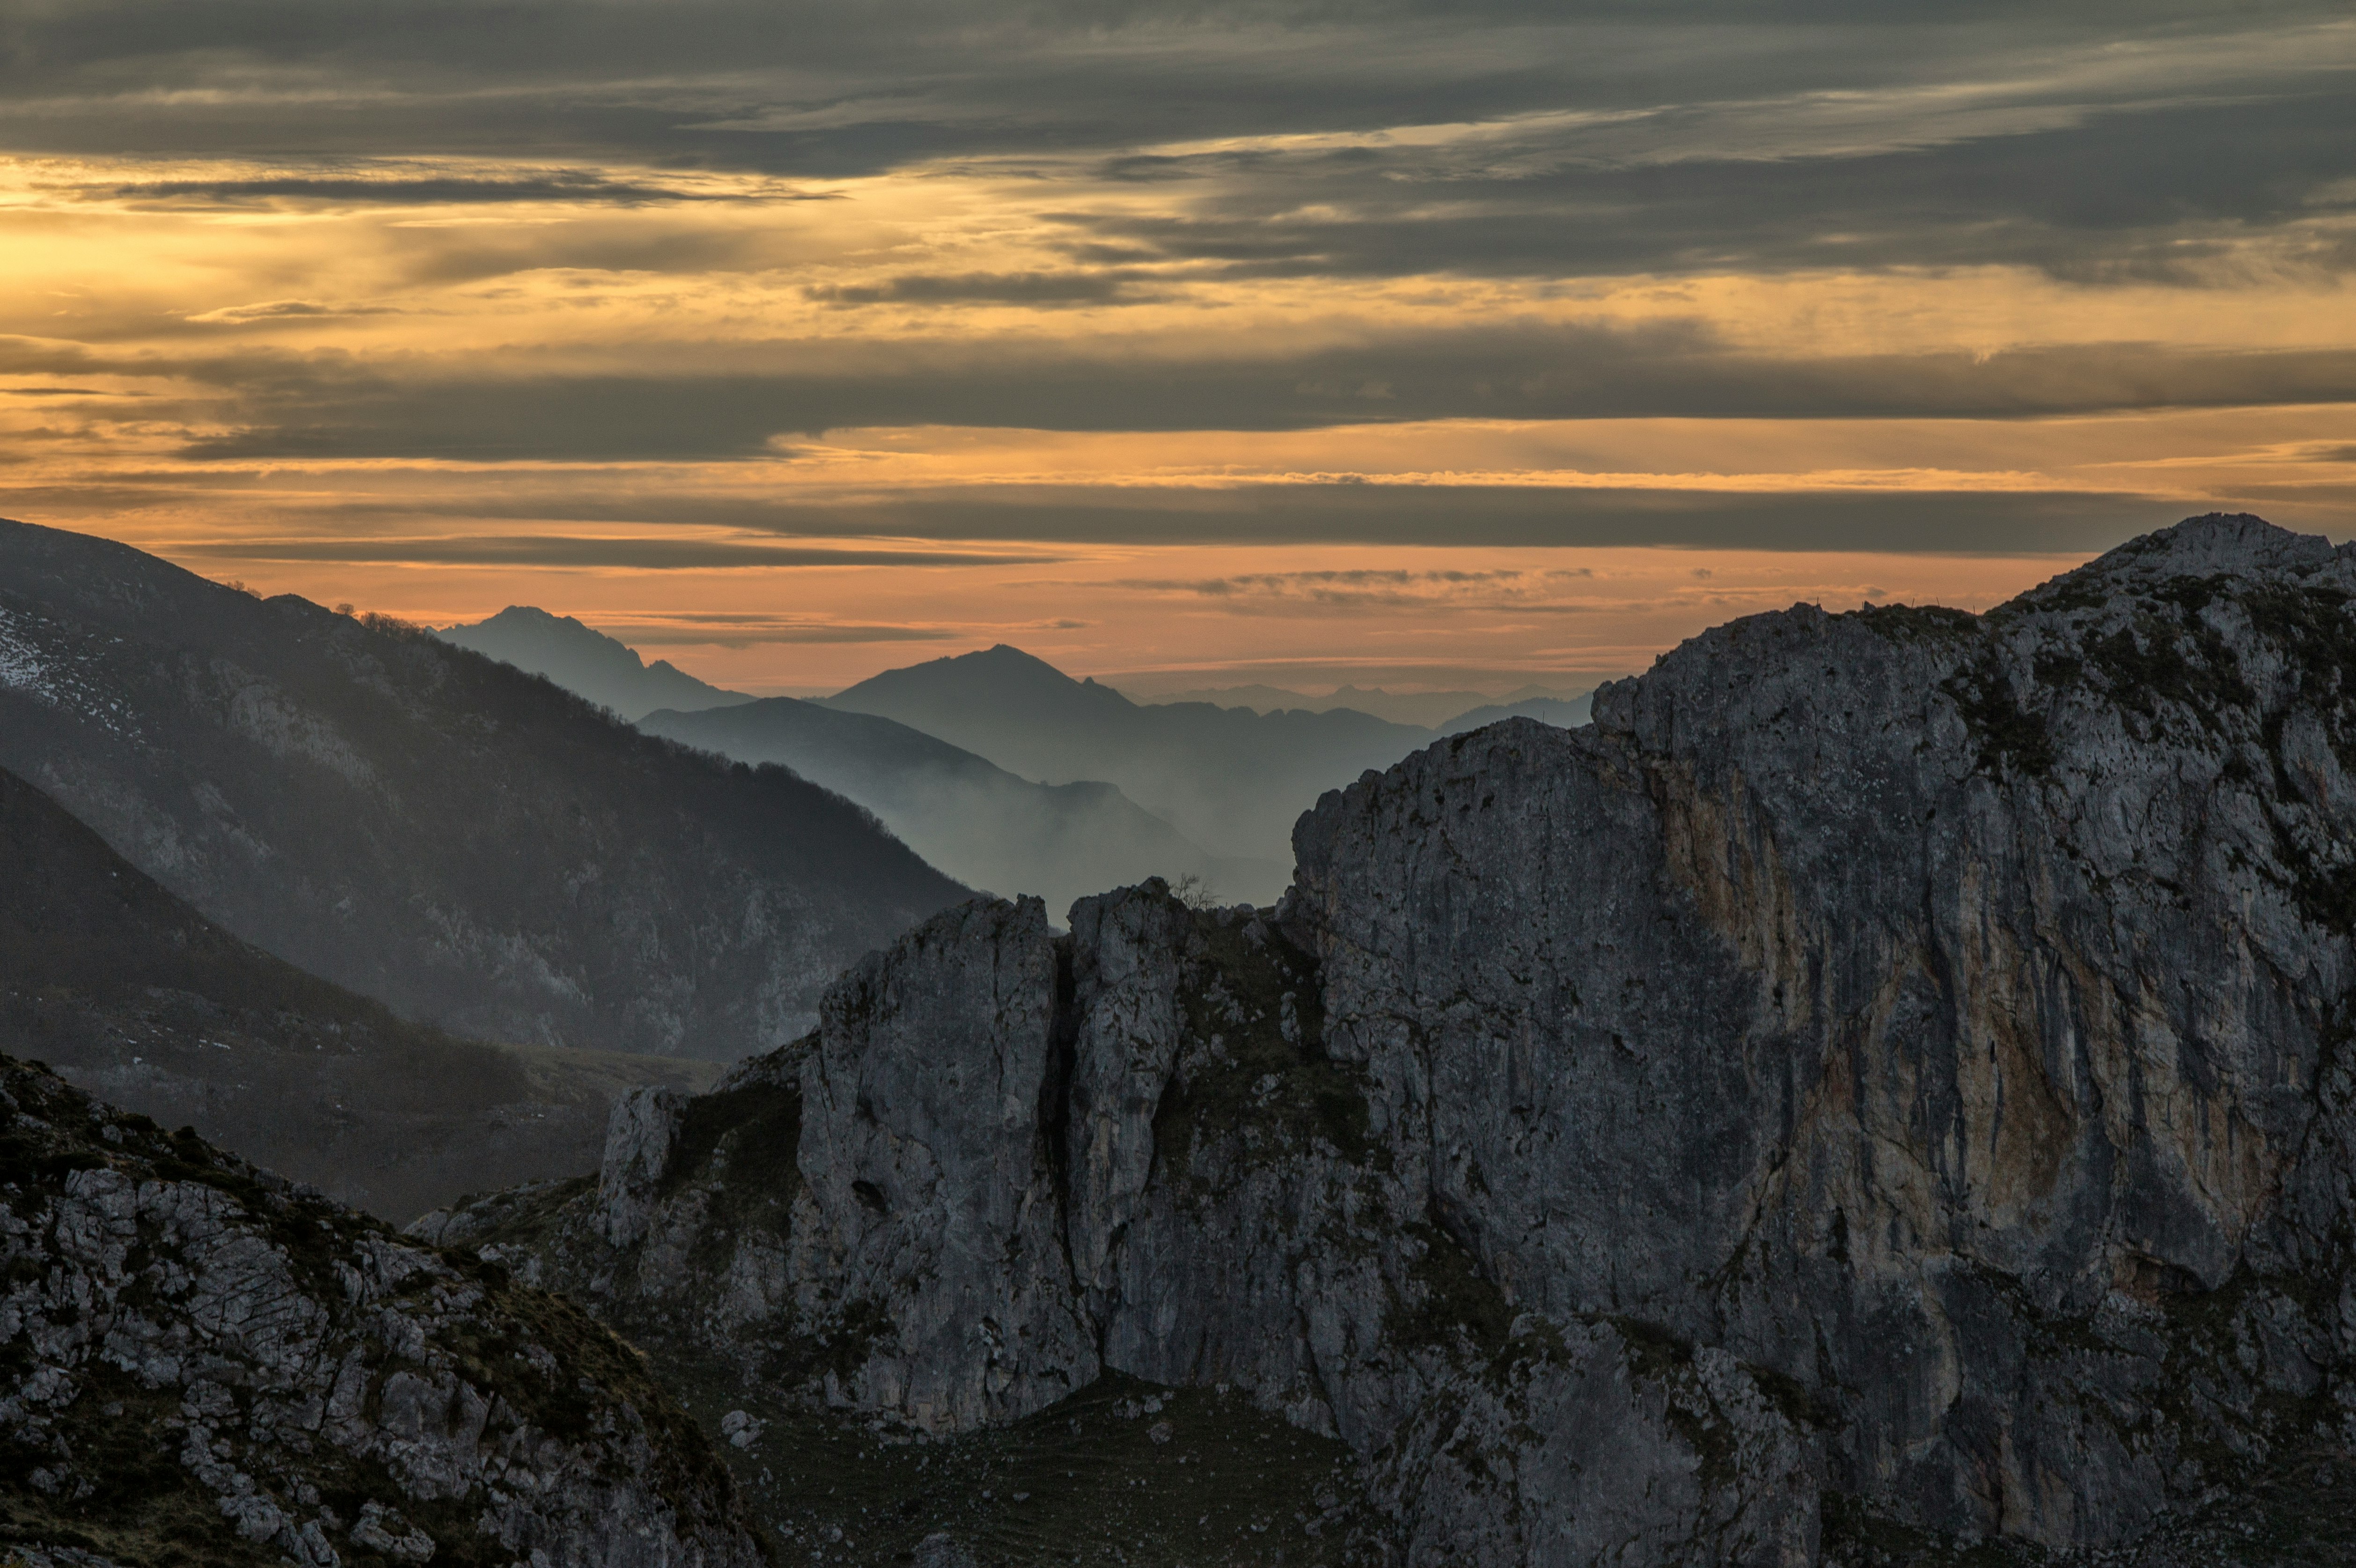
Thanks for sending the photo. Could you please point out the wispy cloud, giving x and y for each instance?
(285, 310)
(650, 553)
(1045, 289)
(1370, 588)
(746, 636)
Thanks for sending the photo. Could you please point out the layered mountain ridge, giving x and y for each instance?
(1237, 769)
(134, 996)
(976, 821)
(468, 844)
(1229, 779)
(1883, 1087)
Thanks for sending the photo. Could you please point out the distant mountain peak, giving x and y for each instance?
(1007, 656)
(586, 661)
(1229, 780)
(997, 671)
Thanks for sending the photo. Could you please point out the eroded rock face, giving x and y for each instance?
(1947, 1013)
(1890, 1073)
(930, 1205)
(198, 1360)
(1024, 1160)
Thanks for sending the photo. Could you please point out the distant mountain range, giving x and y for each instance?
(1431, 709)
(588, 662)
(973, 819)
(1563, 713)
(1230, 779)
(1010, 775)
(976, 821)
(469, 844)
(131, 994)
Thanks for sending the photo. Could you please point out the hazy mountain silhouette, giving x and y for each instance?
(131, 994)
(975, 820)
(1230, 779)
(584, 660)
(468, 843)
(1439, 711)
(1564, 714)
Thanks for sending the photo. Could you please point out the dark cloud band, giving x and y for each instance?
(402, 192)
(1531, 371)
(2093, 140)
(1504, 515)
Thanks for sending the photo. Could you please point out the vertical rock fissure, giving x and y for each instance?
(1056, 1125)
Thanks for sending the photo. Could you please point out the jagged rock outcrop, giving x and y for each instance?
(1017, 1161)
(1889, 1080)
(201, 1364)
(929, 1200)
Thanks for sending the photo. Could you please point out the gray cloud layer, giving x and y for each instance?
(2178, 142)
(294, 407)
(2092, 140)
(1995, 522)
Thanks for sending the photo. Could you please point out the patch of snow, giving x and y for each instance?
(44, 661)
(20, 663)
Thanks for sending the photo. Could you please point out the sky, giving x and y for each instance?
(1427, 344)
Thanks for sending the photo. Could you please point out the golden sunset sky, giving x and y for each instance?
(1421, 345)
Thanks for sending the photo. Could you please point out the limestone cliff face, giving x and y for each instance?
(1890, 1073)
(200, 1364)
(1945, 1013)
(930, 1193)
(1020, 1161)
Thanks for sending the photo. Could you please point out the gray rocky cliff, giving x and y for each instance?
(1945, 1013)
(1886, 1080)
(201, 1364)
(929, 1197)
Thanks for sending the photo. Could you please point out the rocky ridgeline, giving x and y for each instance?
(200, 1364)
(1886, 1085)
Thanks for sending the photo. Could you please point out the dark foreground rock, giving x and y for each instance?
(200, 1364)
(1883, 1093)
